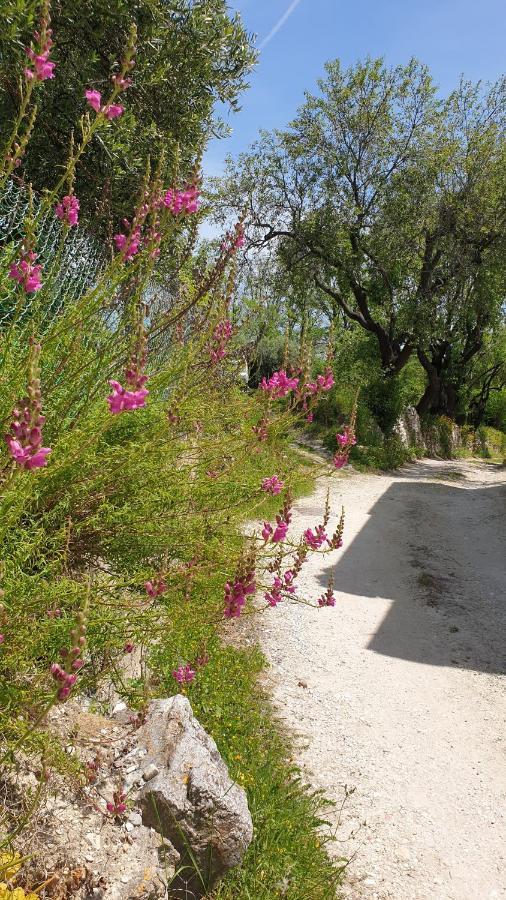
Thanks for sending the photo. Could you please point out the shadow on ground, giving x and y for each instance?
(435, 545)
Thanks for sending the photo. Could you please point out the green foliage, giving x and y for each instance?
(390, 455)
(496, 410)
(490, 443)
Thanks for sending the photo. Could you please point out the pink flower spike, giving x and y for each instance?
(25, 436)
(279, 385)
(43, 68)
(94, 99)
(2, 639)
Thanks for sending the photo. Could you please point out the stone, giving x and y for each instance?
(409, 429)
(192, 800)
(150, 772)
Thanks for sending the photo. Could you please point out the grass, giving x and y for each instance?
(287, 857)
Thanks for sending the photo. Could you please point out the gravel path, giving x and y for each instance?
(397, 692)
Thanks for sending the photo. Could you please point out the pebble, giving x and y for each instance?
(128, 826)
(93, 839)
(135, 818)
(150, 772)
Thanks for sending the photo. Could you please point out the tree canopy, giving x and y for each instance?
(391, 200)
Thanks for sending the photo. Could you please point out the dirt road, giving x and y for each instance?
(405, 700)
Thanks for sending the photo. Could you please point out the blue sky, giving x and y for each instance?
(451, 36)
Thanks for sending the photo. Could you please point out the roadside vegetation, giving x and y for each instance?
(133, 452)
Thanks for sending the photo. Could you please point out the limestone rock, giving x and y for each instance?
(192, 800)
(409, 429)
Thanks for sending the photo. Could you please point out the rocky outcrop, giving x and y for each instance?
(189, 797)
(409, 429)
(441, 438)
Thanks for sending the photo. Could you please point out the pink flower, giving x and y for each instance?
(26, 273)
(2, 639)
(117, 807)
(273, 598)
(315, 540)
(267, 531)
(309, 417)
(68, 210)
(186, 201)
(94, 99)
(121, 399)
(325, 382)
(134, 396)
(155, 589)
(327, 599)
(279, 385)
(128, 244)
(113, 111)
(184, 674)
(64, 679)
(236, 594)
(240, 239)
(128, 647)
(43, 68)
(272, 485)
(234, 240)
(346, 439)
(122, 82)
(281, 530)
(67, 677)
(289, 578)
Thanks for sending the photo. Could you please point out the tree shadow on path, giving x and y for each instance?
(438, 551)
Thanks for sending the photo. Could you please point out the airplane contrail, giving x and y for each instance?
(284, 18)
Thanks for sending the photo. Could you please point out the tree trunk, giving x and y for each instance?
(440, 396)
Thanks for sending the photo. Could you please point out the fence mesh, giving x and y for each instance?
(71, 267)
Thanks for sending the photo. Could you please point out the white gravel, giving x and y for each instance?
(405, 703)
